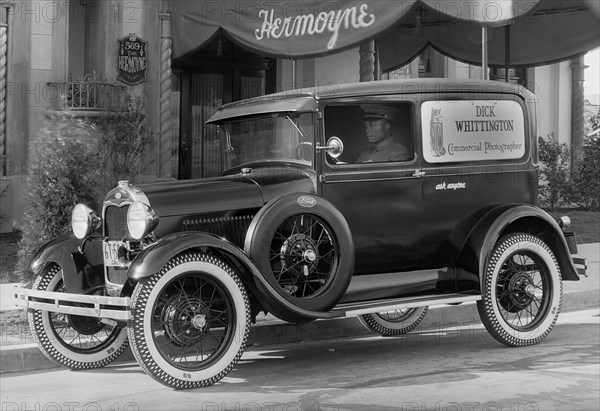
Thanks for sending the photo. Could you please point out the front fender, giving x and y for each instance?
(80, 272)
(153, 258)
(512, 218)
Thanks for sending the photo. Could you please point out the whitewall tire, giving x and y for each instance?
(190, 321)
(394, 322)
(522, 291)
(73, 341)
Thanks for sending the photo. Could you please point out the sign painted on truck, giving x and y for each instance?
(456, 131)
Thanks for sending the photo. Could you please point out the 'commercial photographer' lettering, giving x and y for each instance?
(310, 24)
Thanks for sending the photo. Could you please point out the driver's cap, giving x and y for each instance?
(378, 112)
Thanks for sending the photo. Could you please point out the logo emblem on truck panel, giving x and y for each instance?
(307, 202)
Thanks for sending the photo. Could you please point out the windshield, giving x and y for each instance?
(274, 137)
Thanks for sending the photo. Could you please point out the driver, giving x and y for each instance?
(378, 122)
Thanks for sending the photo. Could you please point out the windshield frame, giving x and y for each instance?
(304, 132)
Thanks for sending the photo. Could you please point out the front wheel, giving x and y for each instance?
(190, 321)
(522, 294)
(73, 341)
(395, 322)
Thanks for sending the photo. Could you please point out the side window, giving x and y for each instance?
(371, 133)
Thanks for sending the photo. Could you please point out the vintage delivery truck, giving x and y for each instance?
(374, 200)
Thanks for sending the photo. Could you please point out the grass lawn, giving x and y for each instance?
(585, 224)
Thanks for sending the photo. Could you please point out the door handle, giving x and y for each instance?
(418, 174)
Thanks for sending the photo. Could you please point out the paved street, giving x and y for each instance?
(460, 369)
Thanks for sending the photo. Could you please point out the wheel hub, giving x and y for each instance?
(185, 320)
(299, 254)
(199, 321)
(520, 293)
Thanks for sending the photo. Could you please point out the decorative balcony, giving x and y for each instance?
(89, 93)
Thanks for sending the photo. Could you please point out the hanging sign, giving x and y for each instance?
(131, 60)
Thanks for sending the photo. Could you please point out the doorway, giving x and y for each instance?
(219, 73)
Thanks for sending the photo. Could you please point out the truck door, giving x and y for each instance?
(379, 196)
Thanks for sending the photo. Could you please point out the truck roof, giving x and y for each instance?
(302, 100)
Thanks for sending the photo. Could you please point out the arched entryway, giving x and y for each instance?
(219, 73)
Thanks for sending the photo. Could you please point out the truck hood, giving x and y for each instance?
(174, 198)
(250, 189)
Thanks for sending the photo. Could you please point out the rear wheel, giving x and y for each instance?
(191, 321)
(522, 294)
(394, 322)
(73, 341)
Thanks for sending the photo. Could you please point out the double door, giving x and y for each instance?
(202, 92)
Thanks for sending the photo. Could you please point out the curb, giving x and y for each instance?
(28, 357)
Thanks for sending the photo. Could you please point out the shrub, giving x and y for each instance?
(586, 179)
(123, 140)
(65, 173)
(554, 174)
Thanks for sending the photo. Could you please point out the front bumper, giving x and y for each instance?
(115, 308)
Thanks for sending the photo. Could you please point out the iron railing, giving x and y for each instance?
(89, 92)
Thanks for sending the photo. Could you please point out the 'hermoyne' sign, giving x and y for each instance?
(472, 130)
(131, 60)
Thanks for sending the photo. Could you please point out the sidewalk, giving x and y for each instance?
(578, 295)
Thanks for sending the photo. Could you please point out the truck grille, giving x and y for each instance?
(232, 228)
(115, 222)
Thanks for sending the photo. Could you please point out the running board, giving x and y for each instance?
(369, 307)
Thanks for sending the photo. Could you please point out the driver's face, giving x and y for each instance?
(375, 130)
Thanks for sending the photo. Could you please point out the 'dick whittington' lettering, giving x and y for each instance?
(310, 24)
(476, 126)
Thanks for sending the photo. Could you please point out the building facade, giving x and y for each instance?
(62, 55)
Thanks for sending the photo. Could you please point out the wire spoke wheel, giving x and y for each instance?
(522, 290)
(522, 293)
(77, 342)
(303, 248)
(191, 321)
(304, 255)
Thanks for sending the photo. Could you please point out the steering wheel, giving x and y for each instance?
(299, 150)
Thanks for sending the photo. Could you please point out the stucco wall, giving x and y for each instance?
(338, 68)
(321, 72)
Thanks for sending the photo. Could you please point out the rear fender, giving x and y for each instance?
(153, 258)
(513, 218)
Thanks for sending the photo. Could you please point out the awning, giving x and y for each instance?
(540, 31)
(551, 31)
(284, 28)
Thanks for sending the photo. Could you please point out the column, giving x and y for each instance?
(577, 111)
(165, 149)
(3, 63)
(367, 61)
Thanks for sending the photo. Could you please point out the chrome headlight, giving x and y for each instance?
(141, 220)
(84, 221)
